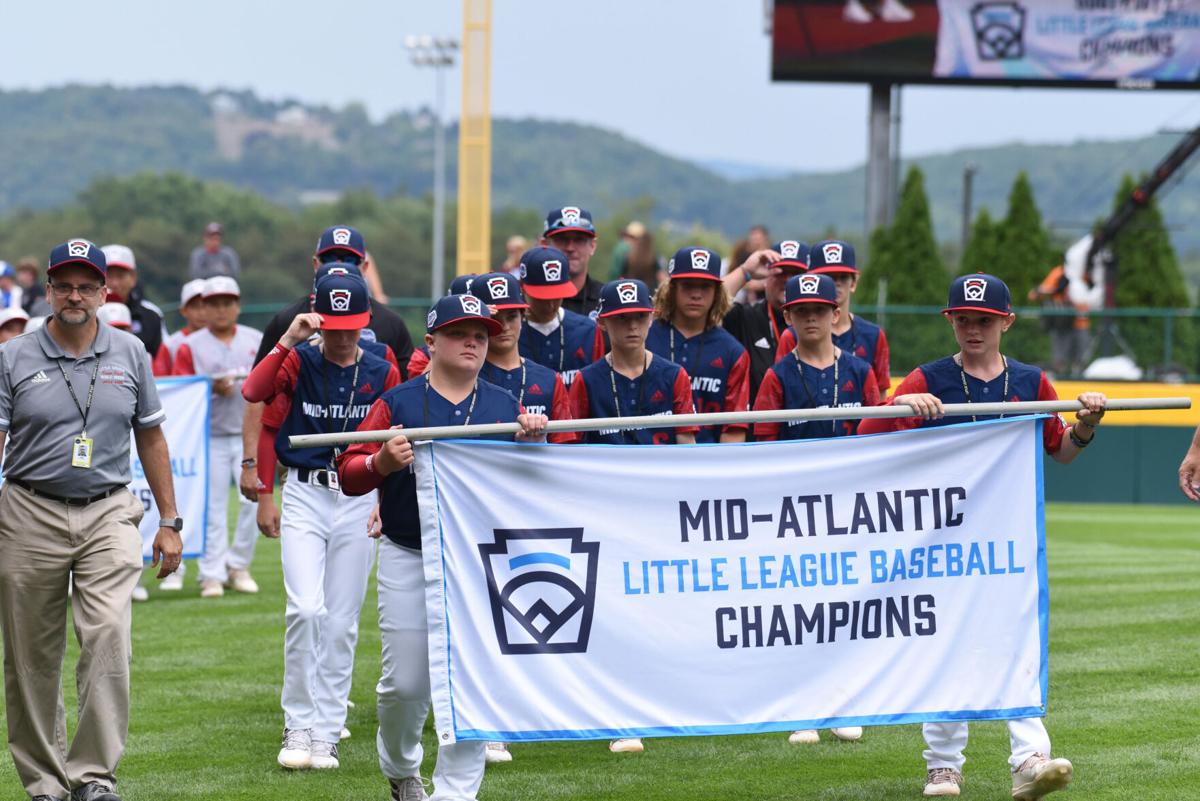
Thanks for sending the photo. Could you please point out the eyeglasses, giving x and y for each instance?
(331, 256)
(84, 290)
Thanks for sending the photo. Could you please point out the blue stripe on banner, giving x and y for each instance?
(1039, 459)
(437, 495)
(539, 558)
(1014, 713)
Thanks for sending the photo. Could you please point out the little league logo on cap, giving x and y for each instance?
(832, 256)
(980, 292)
(470, 304)
(694, 262)
(793, 253)
(624, 297)
(460, 308)
(497, 288)
(342, 301)
(339, 300)
(569, 218)
(79, 247)
(544, 274)
(789, 249)
(700, 260)
(627, 292)
(810, 288)
(809, 284)
(570, 215)
(78, 251)
(342, 237)
(500, 291)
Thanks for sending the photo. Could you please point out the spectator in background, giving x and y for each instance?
(146, 318)
(10, 293)
(513, 248)
(570, 230)
(642, 262)
(1069, 335)
(620, 255)
(757, 238)
(214, 257)
(33, 294)
(194, 312)
(12, 323)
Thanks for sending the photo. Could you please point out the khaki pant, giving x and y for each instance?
(42, 544)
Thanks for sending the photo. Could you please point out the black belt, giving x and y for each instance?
(68, 501)
(318, 478)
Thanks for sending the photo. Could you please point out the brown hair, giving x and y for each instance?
(664, 304)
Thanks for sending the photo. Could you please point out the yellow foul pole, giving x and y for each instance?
(475, 140)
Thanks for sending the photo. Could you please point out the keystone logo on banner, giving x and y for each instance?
(542, 587)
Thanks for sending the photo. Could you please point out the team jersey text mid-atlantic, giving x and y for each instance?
(793, 384)
(663, 388)
(718, 365)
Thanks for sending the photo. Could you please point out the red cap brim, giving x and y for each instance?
(800, 301)
(83, 262)
(790, 263)
(976, 309)
(626, 310)
(832, 270)
(345, 322)
(346, 248)
(700, 275)
(502, 306)
(570, 230)
(550, 291)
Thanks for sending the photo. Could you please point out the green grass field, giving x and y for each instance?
(1124, 699)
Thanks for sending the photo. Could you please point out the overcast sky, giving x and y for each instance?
(688, 77)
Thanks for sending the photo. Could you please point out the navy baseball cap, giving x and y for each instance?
(546, 275)
(810, 288)
(342, 237)
(461, 285)
(569, 218)
(499, 290)
(981, 293)
(832, 256)
(624, 296)
(342, 301)
(695, 263)
(337, 268)
(794, 253)
(457, 308)
(78, 251)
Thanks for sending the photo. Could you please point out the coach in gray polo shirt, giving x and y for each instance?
(70, 393)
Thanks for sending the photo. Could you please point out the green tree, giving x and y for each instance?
(1148, 274)
(983, 249)
(1022, 258)
(905, 258)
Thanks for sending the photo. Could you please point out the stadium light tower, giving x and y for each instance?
(437, 52)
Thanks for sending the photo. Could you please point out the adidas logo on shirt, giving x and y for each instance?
(657, 397)
(534, 389)
(40, 378)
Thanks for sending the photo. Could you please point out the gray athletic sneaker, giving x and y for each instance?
(942, 782)
(411, 788)
(1040, 775)
(324, 756)
(296, 753)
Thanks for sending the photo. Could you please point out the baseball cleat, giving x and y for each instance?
(173, 582)
(804, 737)
(323, 756)
(211, 588)
(241, 581)
(1040, 775)
(848, 733)
(140, 593)
(496, 753)
(345, 734)
(942, 782)
(409, 789)
(296, 753)
(626, 745)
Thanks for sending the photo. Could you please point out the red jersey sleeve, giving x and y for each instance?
(183, 361)
(882, 365)
(393, 376)
(354, 474)
(598, 345)
(162, 361)
(391, 358)
(581, 407)
(682, 402)
(787, 343)
(913, 383)
(276, 374)
(769, 398)
(417, 363)
(737, 390)
(1054, 426)
(266, 459)
(560, 409)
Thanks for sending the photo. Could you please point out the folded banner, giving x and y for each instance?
(185, 400)
(591, 592)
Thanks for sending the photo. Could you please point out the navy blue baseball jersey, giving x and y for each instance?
(416, 404)
(662, 389)
(793, 384)
(718, 365)
(571, 346)
(538, 389)
(863, 338)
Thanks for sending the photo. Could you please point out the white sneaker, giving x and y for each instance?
(848, 733)
(241, 581)
(411, 788)
(855, 12)
(323, 756)
(173, 582)
(1040, 775)
(211, 588)
(350, 704)
(345, 734)
(496, 753)
(627, 745)
(942, 782)
(140, 593)
(296, 753)
(895, 11)
(804, 737)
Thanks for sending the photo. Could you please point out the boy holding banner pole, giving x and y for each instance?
(450, 393)
(980, 311)
(311, 388)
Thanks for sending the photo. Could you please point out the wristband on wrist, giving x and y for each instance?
(370, 463)
(745, 274)
(248, 463)
(1080, 443)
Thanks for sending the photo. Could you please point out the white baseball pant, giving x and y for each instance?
(224, 471)
(947, 741)
(403, 690)
(327, 557)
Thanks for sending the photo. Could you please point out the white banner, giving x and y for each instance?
(593, 592)
(185, 401)
(1150, 41)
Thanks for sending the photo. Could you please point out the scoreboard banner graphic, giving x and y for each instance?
(595, 592)
(1103, 43)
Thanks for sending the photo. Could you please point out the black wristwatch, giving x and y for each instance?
(171, 522)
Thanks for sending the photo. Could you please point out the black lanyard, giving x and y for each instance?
(612, 377)
(83, 410)
(966, 391)
(521, 395)
(853, 332)
(808, 393)
(470, 409)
